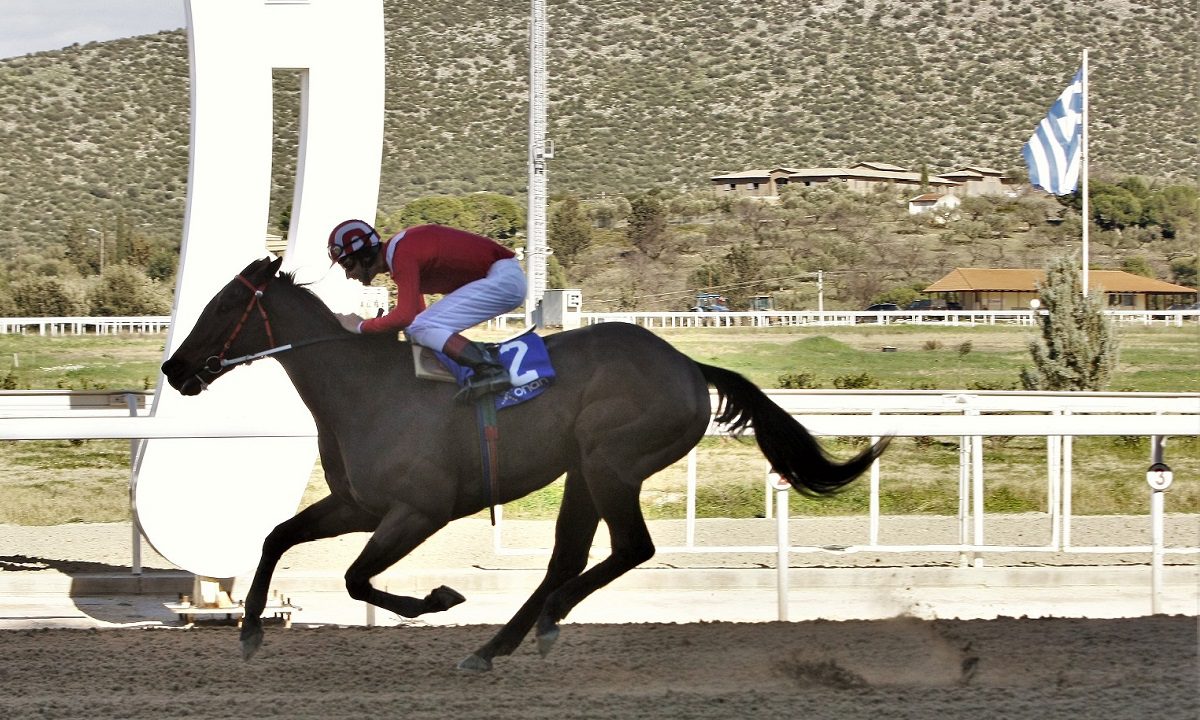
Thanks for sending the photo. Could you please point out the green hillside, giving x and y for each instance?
(643, 95)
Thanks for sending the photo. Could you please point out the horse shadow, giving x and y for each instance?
(100, 593)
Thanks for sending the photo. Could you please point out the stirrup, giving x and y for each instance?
(479, 385)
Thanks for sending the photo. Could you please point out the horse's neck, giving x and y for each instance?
(337, 371)
(319, 361)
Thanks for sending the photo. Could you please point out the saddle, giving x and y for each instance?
(429, 367)
(531, 373)
(525, 356)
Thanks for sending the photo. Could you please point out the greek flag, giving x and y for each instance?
(1053, 153)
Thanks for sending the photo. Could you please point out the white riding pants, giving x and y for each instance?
(501, 291)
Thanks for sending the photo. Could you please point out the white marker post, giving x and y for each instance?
(1159, 477)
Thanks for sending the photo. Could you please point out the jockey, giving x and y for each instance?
(479, 278)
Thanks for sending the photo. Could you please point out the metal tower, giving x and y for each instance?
(540, 150)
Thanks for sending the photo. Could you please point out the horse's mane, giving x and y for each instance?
(289, 279)
(316, 308)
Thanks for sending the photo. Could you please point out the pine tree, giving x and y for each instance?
(1077, 349)
(570, 231)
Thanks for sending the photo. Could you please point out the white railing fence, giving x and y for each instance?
(659, 320)
(84, 325)
(802, 318)
(969, 416)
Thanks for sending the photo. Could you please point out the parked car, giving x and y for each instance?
(878, 307)
(932, 304)
(710, 302)
(1177, 306)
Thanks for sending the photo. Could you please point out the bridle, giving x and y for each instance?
(216, 364)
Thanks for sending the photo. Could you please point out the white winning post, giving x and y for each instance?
(204, 504)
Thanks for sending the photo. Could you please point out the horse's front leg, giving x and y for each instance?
(402, 529)
(328, 517)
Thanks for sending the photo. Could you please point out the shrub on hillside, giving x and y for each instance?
(48, 296)
(125, 290)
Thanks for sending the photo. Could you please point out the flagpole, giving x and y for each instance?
(1083, 169)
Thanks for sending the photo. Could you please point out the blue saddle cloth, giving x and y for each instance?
(528, 365)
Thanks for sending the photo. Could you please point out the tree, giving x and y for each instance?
(1115, 207)
(493, 215)
(48, 296)
(1186, 270)
(901, 294)
(1137, 265)
(746, 275)
(1077, 349)
(606, 211)
(570, 231)
(1174, 208)
(125, 290)
(77, 242)
(435, 209)
(647, 225)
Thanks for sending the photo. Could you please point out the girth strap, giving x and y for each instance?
(489, 449)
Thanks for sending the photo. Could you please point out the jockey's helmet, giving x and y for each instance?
(350, 237)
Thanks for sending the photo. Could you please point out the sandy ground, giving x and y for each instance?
(903, 667)
(900, 668)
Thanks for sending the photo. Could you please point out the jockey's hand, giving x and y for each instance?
(349, 321)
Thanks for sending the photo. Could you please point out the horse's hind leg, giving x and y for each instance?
(631, 546)
(398, 534)
(573, 533)
(328, 517)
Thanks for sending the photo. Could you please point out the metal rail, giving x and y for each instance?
(1059, 417)
(656, 320)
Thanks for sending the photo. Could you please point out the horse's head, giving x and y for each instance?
(234, 323)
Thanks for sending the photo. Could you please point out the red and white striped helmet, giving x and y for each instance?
(349, 237)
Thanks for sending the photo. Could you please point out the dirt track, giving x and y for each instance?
(901, 668)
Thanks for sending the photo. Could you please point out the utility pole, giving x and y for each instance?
(540, 150)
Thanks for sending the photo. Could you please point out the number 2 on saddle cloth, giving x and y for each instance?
(528, 365)
(531, 373)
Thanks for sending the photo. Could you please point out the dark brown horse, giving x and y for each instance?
(400, 455)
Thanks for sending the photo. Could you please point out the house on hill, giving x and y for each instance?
(929, 202)
(862, 177)
(1012, 289)
(977, 180)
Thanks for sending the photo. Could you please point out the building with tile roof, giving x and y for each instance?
(1013, 288)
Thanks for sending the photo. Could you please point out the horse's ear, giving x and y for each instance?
(273, 268)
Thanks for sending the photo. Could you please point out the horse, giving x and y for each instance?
(397, 450)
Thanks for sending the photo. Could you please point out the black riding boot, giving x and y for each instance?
(489, 376)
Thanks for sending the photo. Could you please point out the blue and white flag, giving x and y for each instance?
(1054, 152)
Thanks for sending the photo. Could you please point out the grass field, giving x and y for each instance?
(50, 482)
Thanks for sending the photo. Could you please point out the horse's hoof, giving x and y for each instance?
(252, 638)
(545, 640)
(443, 598)
(474, 663)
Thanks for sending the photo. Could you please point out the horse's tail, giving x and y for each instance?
(792, 451)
